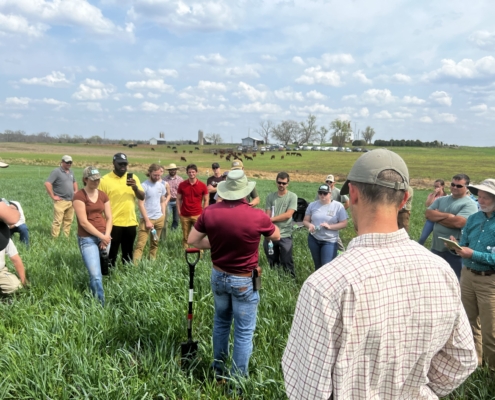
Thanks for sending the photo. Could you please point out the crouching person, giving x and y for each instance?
(9, 282)
(234, 254)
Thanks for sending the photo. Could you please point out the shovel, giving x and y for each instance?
(189, 349)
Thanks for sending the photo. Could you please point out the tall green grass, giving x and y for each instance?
(58, 343)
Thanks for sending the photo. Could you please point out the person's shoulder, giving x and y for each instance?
(79, 195)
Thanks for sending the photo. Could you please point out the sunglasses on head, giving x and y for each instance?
(282, 183)
(322, 193)
(456, 186)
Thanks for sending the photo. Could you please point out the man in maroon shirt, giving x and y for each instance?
(234, 254)
(192, 199)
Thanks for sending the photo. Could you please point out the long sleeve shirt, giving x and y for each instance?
(479, 235)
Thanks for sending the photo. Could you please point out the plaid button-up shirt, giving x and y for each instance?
(382, 321)
(173, 183)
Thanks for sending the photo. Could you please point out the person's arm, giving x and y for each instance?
(254, 202)
(163, 205)
(80, 209)
(283, 217)
(317, 328)
(307, 223)
(179, 202)
(9, 213)
(346, 204)
(139, 193)
(109, 220)
(19, 267)
(198, 239)
(49, 190)
(456, 360)
(335, 227)
(211, 188)
(74, 185)
(275, 235)
(453, 221)
(168, 195)
(436, 216)
(206, 200)
(430, 199)
(144, 214)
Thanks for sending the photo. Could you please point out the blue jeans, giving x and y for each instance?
(172, 208)
(234, 299)
(322, 251)
(23, 233)
(454, 260)
(91, 257)
(427, 230)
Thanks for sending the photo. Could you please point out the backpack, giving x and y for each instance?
(302, 205)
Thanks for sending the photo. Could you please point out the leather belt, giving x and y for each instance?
(482, 273)
(245, 275)
(173, 199)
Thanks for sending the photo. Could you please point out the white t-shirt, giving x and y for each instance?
(153, 193)
(331, 214)
(10, 250)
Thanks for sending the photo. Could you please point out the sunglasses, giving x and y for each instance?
(322, 193)
(282, 183)
(328, 181)
(68, 162)
(456, 186)
(216, 167)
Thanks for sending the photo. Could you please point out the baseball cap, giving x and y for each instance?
(237, 164)
(324, 188)
(120, 158)
(66, 158)
(215, 165)
(3, 165)
(367, 168)
(91, 173)
(330, 178)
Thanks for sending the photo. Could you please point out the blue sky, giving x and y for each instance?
(409, 69)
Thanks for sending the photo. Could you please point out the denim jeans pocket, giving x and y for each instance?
(242, 289)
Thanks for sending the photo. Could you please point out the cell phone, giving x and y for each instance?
(256, 278)
(129, 176)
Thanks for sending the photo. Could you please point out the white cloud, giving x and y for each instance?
(466, 69)
(92, 89)
(313, 109)
(16, 24)
(150, 73)
(426, 120)
(413, 100)
(287, 93)
(92, 106)
(441, 98)
(331, 59)
(402, 115)
(313, 94)
(378, 97)
(152, 95)
(152, 107)
(363, 112)
(195, 106)
(248, 70)
(361, 77)
(138, 96)
(298, 60)
(22, 102)
(57, 103)
(480, 108)
(268, 57)
(257, 107)
(150, 84)
(401, 78)
(483, 39)
(314, 75)
(250, 92)
(75, 12)
(384, 114)
(446, 117)
(127, 109)
(216, 86)
(213, 58)
(55, 79)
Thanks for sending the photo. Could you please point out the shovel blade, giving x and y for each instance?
(189, 351)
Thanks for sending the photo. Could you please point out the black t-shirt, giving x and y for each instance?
(214, 181)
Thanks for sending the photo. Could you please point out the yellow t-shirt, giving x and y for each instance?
(122, 198)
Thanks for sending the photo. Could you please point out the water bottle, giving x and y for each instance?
(270, 248)
(155, 236)
(491, 249)
(317, 228)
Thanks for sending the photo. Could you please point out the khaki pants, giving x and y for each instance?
(9, 283)
(478, 298)
(187, 223)
(63, 214)
(142, 238)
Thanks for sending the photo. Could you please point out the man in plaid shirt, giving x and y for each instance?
(385, 319)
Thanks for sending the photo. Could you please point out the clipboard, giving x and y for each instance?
(450, 244)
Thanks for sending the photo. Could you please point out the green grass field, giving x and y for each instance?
(58, 343)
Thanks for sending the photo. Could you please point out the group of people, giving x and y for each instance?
(386, 319)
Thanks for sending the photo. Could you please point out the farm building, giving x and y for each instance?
(252, 142)
(154, 142)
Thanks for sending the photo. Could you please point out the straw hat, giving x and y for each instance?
(171, 166)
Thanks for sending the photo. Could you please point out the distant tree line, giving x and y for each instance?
(410, 143)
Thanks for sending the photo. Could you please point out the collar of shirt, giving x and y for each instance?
(379, 239)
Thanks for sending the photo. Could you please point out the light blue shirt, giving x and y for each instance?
(332, 213)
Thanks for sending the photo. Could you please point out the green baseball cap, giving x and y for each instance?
(367, 168)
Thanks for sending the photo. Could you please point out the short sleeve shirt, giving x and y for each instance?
(10, 251)
(122, 198)
(332, 213)
(462, 207)
(192, 197)
(94, 212)
(214, 181)
(153, 193)
(62, 183)
(282, 205)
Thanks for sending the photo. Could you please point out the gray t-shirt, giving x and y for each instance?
(282, 205)
(332, 213)
(462, 207)
(62, 183)
(153, 193)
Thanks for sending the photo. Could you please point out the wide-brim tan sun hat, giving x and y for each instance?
(488, 185)
(171, 166)
(236, 186)
(3, 165)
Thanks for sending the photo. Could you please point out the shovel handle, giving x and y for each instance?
(196, 259)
